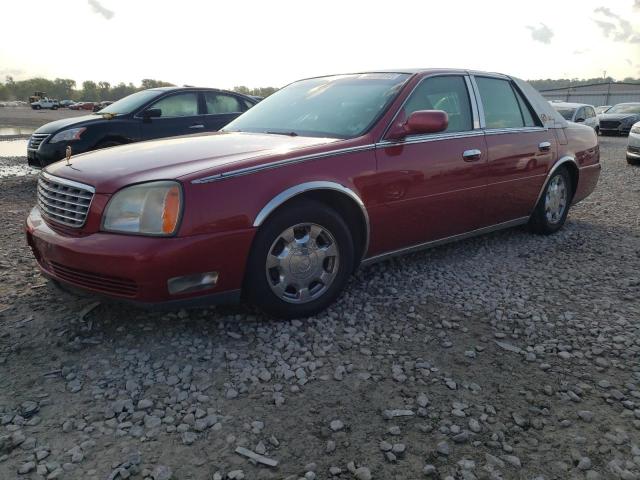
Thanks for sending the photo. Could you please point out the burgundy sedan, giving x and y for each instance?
(325, 175)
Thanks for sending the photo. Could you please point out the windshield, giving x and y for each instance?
(343, 106)
(130, 103)
(625, 108)
(567, 113)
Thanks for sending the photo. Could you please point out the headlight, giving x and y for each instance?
(636, 128)
(152, 208)
(68, 135)
(628, 121)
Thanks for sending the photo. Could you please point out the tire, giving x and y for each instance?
(37, 107)
(597, 129)
(633, 161)
(278, 285)
(54, 108)
(549, 216)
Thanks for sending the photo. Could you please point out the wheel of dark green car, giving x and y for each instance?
(552, 208)
(300, 261)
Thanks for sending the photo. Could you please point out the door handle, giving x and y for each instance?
(471, 155)
(544, 146)
(197, 125)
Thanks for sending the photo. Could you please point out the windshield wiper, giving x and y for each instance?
(289, 134)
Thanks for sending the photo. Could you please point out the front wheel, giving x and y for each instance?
(633, 161)
(300, 261)
(552, 209)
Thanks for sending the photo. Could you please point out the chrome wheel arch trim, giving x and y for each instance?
(562, 161)
(299, 189)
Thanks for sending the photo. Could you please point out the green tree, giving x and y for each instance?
(89, 91)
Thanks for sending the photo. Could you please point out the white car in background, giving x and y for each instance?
(578, 113)
(633, 146)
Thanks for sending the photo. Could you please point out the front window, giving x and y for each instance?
(130, 103)
(448, 93)
(625, 108)
(343, 106)
(179, 105)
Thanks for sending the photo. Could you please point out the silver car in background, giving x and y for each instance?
(578, 113)
(633, 146)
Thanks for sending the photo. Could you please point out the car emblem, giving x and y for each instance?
(68, 154)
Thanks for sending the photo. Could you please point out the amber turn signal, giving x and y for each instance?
(171, 210)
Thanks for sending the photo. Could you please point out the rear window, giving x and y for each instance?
(501, 108)
(567, 113)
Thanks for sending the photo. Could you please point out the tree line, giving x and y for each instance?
(549, 83)
(66, 88)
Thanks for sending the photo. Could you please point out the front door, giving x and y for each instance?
(179, 115)
(432, 186)
(520, 151)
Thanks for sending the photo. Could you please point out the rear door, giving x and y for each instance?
(433, 185)
(179, 116)
(220, 109)
(520, 150)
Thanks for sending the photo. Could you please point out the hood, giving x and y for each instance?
(113, 168)
(618, 116)
(80, 121)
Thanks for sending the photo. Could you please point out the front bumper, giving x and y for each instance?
(621, 130)
(136, 268)
(46, 154)
(633, 147)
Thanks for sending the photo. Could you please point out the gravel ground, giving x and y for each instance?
(509, 356)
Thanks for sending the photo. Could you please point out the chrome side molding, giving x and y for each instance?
(281, 163)
(443, 241)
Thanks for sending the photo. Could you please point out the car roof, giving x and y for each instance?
(416, 71)
(171, 89)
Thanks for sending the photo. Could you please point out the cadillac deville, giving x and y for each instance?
(329, 173)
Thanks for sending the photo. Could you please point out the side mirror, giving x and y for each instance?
(152, 113)
(421, 121)
(579, 120)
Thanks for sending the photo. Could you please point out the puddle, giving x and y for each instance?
(12, 131)
(13, 148)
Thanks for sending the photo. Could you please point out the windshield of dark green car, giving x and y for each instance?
(342, 106)
(130, 103)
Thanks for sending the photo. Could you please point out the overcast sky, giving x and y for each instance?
(272, 42)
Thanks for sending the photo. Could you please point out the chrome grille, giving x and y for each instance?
(64, 201)
(36, 139)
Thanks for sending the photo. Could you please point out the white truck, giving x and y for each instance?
(45, 103)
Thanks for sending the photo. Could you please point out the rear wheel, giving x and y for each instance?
(300, 261)
(552, 209)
